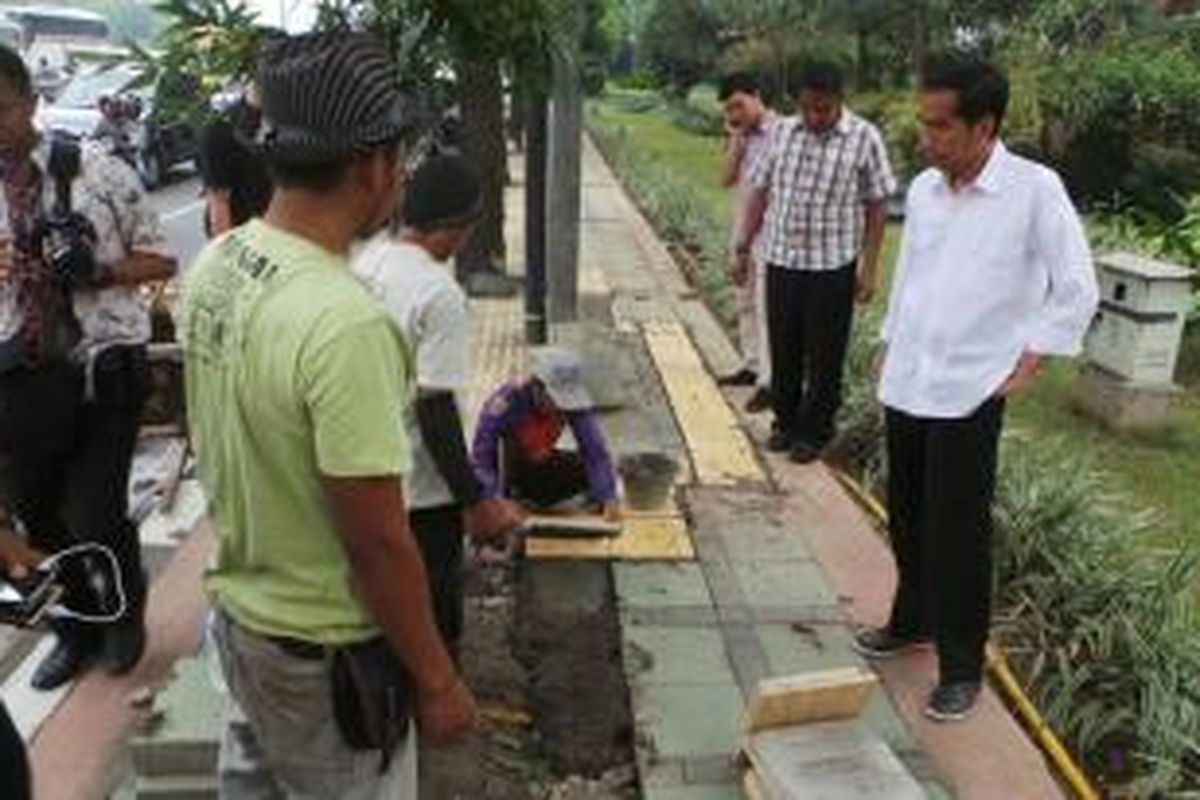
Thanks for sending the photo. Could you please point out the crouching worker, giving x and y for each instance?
(516, 441)
(407, 269)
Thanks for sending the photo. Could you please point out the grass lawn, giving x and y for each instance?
(1158, 473)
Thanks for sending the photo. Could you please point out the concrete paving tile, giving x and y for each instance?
(781, 583)
(819, 647)
(765, 543)
(661, 585)
(676, 656)
(726, 792)
(688, 721)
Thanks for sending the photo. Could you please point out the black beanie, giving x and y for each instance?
(443, 192)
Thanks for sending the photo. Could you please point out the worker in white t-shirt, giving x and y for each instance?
(408, 270)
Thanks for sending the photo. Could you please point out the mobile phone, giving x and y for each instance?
(25, 602)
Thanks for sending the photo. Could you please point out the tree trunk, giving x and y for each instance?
(920, 35)
(481, 103)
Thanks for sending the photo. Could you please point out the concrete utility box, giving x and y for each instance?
(1133, 345)
(1143, 307)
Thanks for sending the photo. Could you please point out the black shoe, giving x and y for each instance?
(881, 643)
(759, 402)
(805, 452)
(779, 442)
(952, 702)
(124, 646)
(69, 659)
(743, 377)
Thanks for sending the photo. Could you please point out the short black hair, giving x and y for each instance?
(14, 71)
(735, 82)
(823, 77)
(318, 176)
(981, 87)
(444, 192)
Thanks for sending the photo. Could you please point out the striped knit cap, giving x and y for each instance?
(326, 96)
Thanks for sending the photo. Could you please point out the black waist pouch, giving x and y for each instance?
(372, 697)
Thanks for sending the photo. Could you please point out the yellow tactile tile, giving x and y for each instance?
(720, 451)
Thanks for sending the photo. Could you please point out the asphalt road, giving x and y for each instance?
(181, 210)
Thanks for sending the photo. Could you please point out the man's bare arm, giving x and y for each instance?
(142, 267)
(389, 572)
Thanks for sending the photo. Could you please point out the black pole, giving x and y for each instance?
(536, 149)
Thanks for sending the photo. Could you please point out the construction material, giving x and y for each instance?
(571, 527)
(643, 538)
(648, 479)
(831, 761)
(721, 452)
(810, 697)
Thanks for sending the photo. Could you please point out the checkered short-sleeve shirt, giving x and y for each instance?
(819, 185)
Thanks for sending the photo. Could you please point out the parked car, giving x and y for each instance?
(160, 143)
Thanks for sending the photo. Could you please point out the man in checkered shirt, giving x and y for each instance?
(819, 202)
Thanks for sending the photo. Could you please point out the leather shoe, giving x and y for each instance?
(779, 442)
(759, 402)
(69, 658)
(743, 377)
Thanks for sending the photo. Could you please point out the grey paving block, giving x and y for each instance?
(780, 583)
(812, 648)
(186, 743)
(189, 788)
(728, 791)
(676, 656)
(688, 721)
(661, 585)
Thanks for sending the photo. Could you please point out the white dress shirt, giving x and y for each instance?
(987, 272)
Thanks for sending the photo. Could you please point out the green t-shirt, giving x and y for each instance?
(293, 372)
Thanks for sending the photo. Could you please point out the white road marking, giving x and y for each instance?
(179, 213)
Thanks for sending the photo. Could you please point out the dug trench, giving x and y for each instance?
(542, 651)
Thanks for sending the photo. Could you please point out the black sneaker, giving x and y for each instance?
(805, 452)
(743, 377)
(759, 402)
(952, 702)
(779, 442)
(881, 643)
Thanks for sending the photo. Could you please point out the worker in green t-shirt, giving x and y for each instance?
(296, 388)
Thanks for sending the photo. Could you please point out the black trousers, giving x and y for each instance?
(440, 532)
(941, 482)
(547, 483)
(64, 466)
(808, 322)
(14, 766)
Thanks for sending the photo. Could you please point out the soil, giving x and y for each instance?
(526, 748)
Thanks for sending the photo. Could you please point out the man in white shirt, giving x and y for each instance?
(408, 272)
(994, 276)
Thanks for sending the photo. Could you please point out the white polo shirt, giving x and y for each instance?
(430, 308)
(987, 272)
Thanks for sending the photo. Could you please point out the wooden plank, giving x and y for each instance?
(810, 697)
(721, 452)
(643, 538)
(573, 527)
(832, 761)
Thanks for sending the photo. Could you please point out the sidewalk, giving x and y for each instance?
(787, 564)
(762, 569)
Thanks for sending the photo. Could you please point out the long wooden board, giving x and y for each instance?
(643, 538)
(721, 452)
